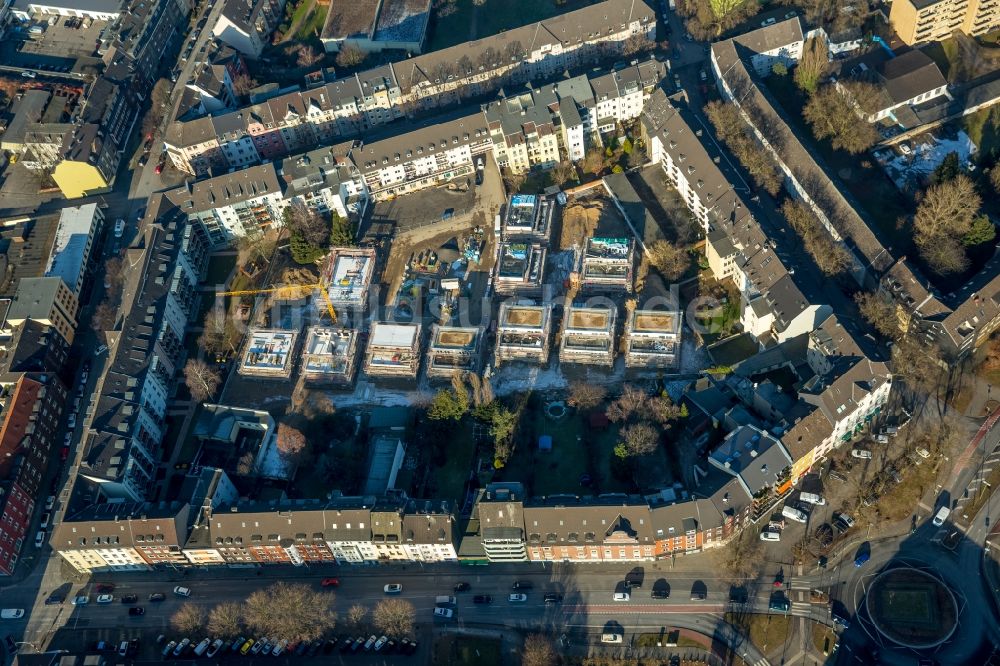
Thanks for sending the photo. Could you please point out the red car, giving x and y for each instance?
(64, 453)
(105, 587)
(330, 582)
(159, 168)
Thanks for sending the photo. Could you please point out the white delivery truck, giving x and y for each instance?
(941, 516)
(793, 514)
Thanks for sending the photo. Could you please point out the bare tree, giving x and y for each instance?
(879, 312)
(188, 619)
(243, 83)
(292, 610)
(113, 273)
(307, 222)
(630, 404)
(942, 222)
(593, 160)
(662, 409)
(832, 116)
(290, 440)
(218, 334)
(350, 56)
(586, 395)
(394, 617)
(562, 172)
(357, 618)
(538, 651)
(104, 317)
(637, 439)
(741, 557)
(201, 379)
(671, 260)
(995, 178)
(831, 258)
(636, 44)
(226, 620)
(307, 56)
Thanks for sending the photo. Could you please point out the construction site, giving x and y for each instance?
(606, 265)
(454, 349)
(329, 356)
(348, 273)
(528, 217)
(520, 268)
(588, 335)
(523, 333)
(393, 350)
(653, 339)
(268, 353)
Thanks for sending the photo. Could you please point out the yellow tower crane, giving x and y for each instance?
(287, 293)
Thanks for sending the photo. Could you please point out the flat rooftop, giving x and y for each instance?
(269, 352)
(402, 336)
(72, 237)
(609, 249)
(524, 316)
(402, 20)
(351, 19)
(350, 274)
(528, 214)
(521, 263)
(652, 321)
(589, 319)
(328, 350)
(452, 338)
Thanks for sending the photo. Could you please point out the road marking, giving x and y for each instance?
(648, 609)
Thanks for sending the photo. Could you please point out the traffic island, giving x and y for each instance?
(767, 632)
(912, 608)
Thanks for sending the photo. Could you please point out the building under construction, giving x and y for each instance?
(330, 355)
(588, 335)
(653, 339)
(269, 353)
(523, 333)
(453, 349)
(528, 217)
(348, 273)
(393, 350)
(520, 268)
(606, 264)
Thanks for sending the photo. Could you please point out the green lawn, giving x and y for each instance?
(493, 17)
(983, 127)
(312, 26)
(219, 268)
(449, 480)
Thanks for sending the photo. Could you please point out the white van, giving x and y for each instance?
(793, 514)
(812, 498)
(941, 516)
(445, 601)
(768, 535)
(611, 638)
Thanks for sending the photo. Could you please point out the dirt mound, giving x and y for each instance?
(579, 221)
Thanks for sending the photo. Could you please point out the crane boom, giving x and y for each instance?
(288, 292)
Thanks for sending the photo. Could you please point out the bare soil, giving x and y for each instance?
(655, 322)
(524, 317)
(456, 338)
(588, 320)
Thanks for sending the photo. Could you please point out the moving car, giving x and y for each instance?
(517, 598)
(393, 588)
(860, 560)
(330, 582)
(941, 516)
(182, 591)
(445, 601)
(781, 605)
(553, 598)
(482, 599)
(28, 74)
(157, 596)
(129, 599)
(105, 598)
(522, 585)
(462, 587)
(445, 613)
(611, 638)
(136, 611)
(81, 600)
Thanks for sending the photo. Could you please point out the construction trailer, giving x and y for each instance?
(393, 350)
(653, 339)
(268, 353)
(454, 349)
(348, 272)
(588, 335)
(520, 268)
(330, 355)
(528, 217)
(606, 264)
(523, 333)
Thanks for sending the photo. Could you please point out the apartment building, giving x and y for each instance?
(921, 21)
(325, 180)
(269, 353)
(776, 304)
(653, 339)
(30, 414)
(329, 355)
(759, 462)
(123, 436)
(122, 536)
(69, 258)
(523, 333)
(45, 300)
(393, 350)
(902, 82)
(454, 349)
(606, 264)
(246, 25)
(528, 217)
(348, 273)
(588, 335)
(520, 268)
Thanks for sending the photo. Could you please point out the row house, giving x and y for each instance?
(386, 93)
(246, 25)
(123, 536)
(127, 425)
(30, 412)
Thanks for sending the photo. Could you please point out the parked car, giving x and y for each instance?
(611, 638)
(279, 648)
(621, 596)
(257, 646)
(812, 498)
(80, 600)
(129, 599)
(767, 22)
(770, 535)
(40, 539)
(11, 613)
(370, 643)
(844, 519)
(863, 454)
(119, 227)
(44, 522)
(181, 591)
(380, 643)
(50, 502)
(237, 644)
(779, 604)
(245, 648)
(168, 648)
(444, 613)
(941, 516)
(393, 588)
(445, 600)
(28, 74)
(794, 514)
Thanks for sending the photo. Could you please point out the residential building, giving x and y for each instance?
(393, 350)
(528, 217)
(653, 339)
(239, 441)
(330, 355)
(348, 273)
(588, 335)
(326, 181)
(921, 21)
(33, 347)
(902, 83)
(98, 10)
(30, 417)
(46, 300)
(70, 255)
(520, 268)
(269, 353)
(453, 350)
(377, 25)
(246, 25)
(523, 333)
(122, 536)
(606, 264)
(759, 462)
(123, 436)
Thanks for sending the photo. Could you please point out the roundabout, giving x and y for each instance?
(911, 608)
